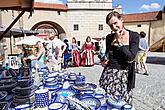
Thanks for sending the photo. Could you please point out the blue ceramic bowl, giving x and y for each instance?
(25, 82)
(89, 92)
(3, 95)
(56, 106)
(127, 107)
(92, 102)
(8, 86)
(49, 80)
(23, 107)
(4, 106)
(101, 98)
(23, 91)
(115, 103)
(85, 96)
(54, 87)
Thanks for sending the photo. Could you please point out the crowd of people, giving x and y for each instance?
(57, 54)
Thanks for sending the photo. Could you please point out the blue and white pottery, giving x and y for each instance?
(49, 80)
(3, 95)
(52, 75)
(9, 98)
(72, 76)
(65, 92)
(89, 92)
(4, 105)
(103, 108)
(101, 98)
(23, 107)
(115, 103)
(53, 88)
(127, 107)
(51, 84)
(25, 82)
(85, 96)
(114, 109)
(42, 97)
(92, 102)
(56, 106)
(80, 79)
(65, 107)
(61, 99)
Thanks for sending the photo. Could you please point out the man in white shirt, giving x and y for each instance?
(56, 48)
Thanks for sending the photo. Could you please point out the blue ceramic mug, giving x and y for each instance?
(42, 97)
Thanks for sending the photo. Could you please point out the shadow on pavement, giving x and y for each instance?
(156, 60)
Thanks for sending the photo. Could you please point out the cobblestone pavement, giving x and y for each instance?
(149, 93)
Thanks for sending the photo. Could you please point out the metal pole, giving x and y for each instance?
(11, 25)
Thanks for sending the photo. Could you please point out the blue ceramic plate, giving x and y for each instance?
(92, 102)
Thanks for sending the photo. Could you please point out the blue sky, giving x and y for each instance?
(129, 6)
(138, 6)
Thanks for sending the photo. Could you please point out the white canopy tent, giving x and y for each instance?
(30, 40)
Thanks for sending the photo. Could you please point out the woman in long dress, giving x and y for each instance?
(75, 53)
(88, 53)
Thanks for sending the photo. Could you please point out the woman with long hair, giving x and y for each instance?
(88, 53)
(75, 53)
(118, 76)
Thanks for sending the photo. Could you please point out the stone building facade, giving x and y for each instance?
(78, 19)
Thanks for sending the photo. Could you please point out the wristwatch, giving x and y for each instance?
(120, 44)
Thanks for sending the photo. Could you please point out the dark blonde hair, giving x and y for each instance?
(74, 40)
(88, 37)
(111, 14)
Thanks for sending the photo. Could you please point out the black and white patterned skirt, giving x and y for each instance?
(114, 82)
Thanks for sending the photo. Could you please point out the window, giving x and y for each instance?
(139, 25)
(75, 27)
(100, 26)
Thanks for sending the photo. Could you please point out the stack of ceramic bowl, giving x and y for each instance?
(7, 85)
(24, 92)
(72, 78)
(80, 79)
(52, 84)
(42, 98)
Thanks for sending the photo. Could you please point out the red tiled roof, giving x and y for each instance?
(141, 17)
(60, 7)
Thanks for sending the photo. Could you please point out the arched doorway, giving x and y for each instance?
(47, 27)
